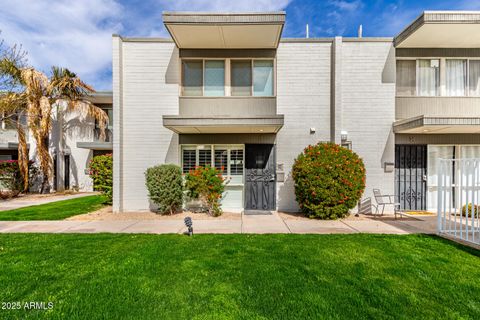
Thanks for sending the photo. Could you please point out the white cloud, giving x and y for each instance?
(72, 34)
(77, 34)
(224, 5)
(347, 5)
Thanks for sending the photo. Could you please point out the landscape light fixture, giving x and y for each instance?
(189, 224)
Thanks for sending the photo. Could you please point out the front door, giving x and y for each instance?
(411, 176)
(260, 177)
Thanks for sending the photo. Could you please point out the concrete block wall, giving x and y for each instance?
(303, 96)
(148, 74)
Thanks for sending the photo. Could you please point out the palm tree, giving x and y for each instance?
(35, 102)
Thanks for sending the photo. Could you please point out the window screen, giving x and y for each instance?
(474, 77)
(214, 78)
(236, 162)
(241, 77)
(263, 78)
(406, 78)
(192, 78)
(188, 160)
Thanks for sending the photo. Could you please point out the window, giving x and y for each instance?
(263, 78)
(236, 162)
(428, 77)
(456, 77)
(214, 78)
(192, 78)
(229, 160)
(221, 160)
(474, 77)
(406, 77)
(241, 77)
(204, 157)
(189, 160)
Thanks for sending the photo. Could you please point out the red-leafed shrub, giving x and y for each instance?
(101, 172)
(11, 181)
(206, 184)
(329, 180)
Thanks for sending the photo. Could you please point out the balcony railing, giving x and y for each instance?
(409, 107)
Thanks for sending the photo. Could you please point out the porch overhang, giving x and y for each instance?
(442, 29)
(96, 145)
(10, 145)
(186, 125)
(193, 30)
(437, 125)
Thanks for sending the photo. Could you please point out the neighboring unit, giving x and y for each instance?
(228, 91)
(74, 140)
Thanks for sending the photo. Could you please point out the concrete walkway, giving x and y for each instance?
(248, 224)
(35, 199)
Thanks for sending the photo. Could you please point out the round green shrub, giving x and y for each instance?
(101, 172)
(206, 184)
(165, 187)
(329, 180)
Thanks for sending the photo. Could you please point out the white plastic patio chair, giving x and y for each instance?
(384, 200)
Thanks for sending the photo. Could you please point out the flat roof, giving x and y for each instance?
(442, 29)
(242, 30)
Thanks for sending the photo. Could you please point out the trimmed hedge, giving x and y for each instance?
(165, 187)
(101, 172)
(329, 180)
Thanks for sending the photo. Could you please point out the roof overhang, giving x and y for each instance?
(442, 29)
(437, 125)
(185, 125)
(193, 30)
(100, 97)
(10, 145)
(95, 145)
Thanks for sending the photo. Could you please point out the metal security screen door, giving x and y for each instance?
(411, 176)
(260, 177)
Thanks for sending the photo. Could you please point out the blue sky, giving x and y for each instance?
(77, 34)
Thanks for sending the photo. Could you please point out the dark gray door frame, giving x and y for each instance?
(411, 176)
(260, 177)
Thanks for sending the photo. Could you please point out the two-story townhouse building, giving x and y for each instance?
(74, 140)
(227, 90)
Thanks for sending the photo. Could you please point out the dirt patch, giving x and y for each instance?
(107, 214)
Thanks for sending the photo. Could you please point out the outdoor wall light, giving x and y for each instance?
(344, 135)
(189, 224)
(312, 130)
(389, 166)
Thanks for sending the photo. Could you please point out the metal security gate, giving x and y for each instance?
(458, 199)
(260, 179)
(411, 176)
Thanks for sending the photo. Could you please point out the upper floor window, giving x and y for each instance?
(428, 77)
(455, 77)
(246, 77)
(422, 77)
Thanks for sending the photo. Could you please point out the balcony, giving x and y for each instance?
(225, 115)
(437, 115)
(98, 144)
(408, 107)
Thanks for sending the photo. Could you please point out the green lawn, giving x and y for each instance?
(55, 210)
(122, 276)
